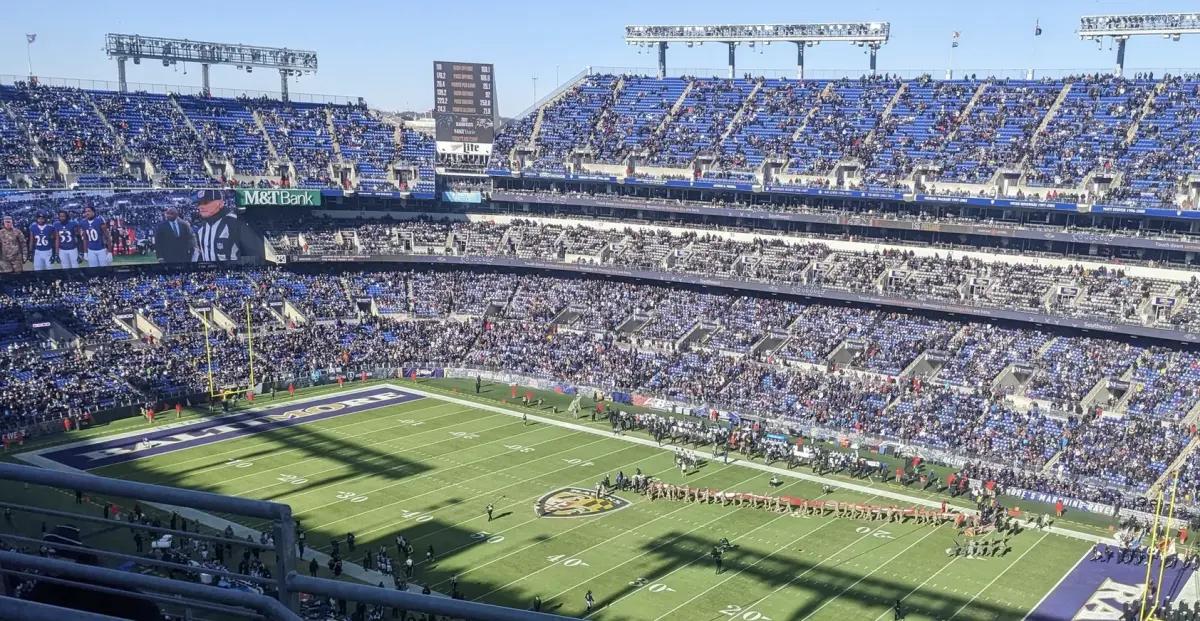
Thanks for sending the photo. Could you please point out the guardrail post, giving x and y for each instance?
(285, 557)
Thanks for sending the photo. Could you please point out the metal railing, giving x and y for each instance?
(180, 89)
(94, 577)
(937, 73)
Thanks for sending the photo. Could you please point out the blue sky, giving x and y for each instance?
(384, 51)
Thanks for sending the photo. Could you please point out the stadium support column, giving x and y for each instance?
(283, 85)
(662, 59)
(874, 52)
(204, 87)
(799, 60)
(732, 59)
(1120, 56)
(121, 84)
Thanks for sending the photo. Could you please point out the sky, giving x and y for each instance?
(384, 52)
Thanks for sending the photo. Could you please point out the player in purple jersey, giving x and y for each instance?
(67, 240)
(96, 238)
(41, 243)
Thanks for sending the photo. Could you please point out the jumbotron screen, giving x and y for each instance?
(68, 229)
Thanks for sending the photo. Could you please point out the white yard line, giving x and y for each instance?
(514, 504)
(765, 557)
(214, 418)
(919, 586)
(847, 485)
(1061, 579)
(998, 576)
(832, 520)
(305, 491)
(486, 474)
(634, 558)
(591, 547)
(332, 429)
(864, 576)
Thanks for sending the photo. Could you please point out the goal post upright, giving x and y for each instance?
(212, 391)
(250, 343)
(1144, 614)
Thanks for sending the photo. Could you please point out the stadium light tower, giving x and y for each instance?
(287, 61)
(871, 35)
(1121, 27)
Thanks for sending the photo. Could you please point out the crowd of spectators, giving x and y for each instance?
(808, 365)
(1066, 289)
(104, 138)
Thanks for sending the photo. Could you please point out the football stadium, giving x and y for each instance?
(653, 344)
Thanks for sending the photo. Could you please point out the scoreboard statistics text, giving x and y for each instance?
(464, 111)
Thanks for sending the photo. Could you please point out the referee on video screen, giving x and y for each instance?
(217, 229)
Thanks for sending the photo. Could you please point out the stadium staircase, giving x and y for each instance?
(1037, 133)
(674, 111)
(541, 111)
(116, 136)
(1146, 110)
(883, 116)
(606, 109)
(825, 93)
(1177, 464)
(737, 116)
(187, 120)
(266, 136)
(337, 148)
(966, 111)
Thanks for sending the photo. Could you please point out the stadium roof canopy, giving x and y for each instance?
(287, 61)
(852, 32)
(1121, 27)
(871, 35)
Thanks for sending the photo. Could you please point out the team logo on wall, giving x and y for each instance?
(570, 502)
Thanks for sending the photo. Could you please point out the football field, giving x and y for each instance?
(426, 466)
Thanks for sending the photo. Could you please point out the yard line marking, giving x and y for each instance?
(861, 578)
(847, 485)
(515, 503)
(998, 576)
(304, 492)
(351, 423)
(702, 555)
(672, 540)
(1054, 588)
(765, 557)
(581, 525)
(257, 472)
(918, 587)
(489, 473)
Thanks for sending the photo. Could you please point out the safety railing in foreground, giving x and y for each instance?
(102, 581)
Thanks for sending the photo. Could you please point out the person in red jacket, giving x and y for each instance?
(1058, 508)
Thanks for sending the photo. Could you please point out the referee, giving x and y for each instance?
(218, 230)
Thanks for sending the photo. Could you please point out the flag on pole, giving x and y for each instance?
(1037, 28)
(954, 39)
(30, 38)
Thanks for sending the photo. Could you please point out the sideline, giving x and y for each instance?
(861, 489)
(356, 571)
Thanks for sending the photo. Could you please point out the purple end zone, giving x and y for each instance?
(1094, 591)
(89, 455)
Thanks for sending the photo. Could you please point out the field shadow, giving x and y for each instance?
(820, 583)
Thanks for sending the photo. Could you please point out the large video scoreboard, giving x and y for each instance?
(464, 112)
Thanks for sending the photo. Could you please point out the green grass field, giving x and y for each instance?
(429, 467)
